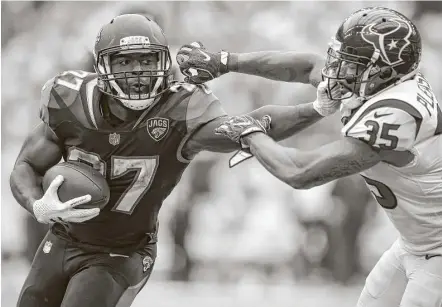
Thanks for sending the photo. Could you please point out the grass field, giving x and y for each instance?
(176, 294)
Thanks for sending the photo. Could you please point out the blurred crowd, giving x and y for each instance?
(227, 225)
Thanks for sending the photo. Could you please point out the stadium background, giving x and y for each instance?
(228, 237)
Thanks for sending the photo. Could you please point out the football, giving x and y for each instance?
(79, 179)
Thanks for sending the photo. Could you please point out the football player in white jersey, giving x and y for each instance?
(392, 136)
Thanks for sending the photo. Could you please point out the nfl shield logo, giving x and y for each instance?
(47, 247)
(114, 139)
(157, 127)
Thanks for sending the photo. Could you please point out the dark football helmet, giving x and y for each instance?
(132, 33)
(373, 49)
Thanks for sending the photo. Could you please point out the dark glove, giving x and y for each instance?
(237, 127)
(200, 65)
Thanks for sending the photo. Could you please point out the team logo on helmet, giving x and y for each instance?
(157, 127)
(374, 34)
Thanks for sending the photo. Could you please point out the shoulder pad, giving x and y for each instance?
(198, 106)
(62, 98)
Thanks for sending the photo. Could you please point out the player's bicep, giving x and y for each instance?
(41, 149)
(203, 114)
(204, 138)
(385, 128)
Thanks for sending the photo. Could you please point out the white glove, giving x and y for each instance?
(323, 104)
(49, 208)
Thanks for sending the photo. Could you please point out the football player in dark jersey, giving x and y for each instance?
(140, 130)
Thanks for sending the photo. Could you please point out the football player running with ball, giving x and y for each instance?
(392, 136)
(140, 130)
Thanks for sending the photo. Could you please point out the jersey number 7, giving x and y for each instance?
(145, 167)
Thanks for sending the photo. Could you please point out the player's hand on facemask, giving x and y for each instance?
(323, 104)
(50, 209)
(200, 65)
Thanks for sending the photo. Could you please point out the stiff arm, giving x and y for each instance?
(287, 66)
(286, 121)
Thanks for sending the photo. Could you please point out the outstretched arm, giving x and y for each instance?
(306, 169)
(201, 65)
(288, 66)
(286, 121)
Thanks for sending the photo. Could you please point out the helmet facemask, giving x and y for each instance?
(351, 71)
(151, 82)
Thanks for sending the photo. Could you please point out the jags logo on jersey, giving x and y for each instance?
(157, 127)
(390, 48)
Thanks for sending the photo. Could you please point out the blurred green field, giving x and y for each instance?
(177, 294)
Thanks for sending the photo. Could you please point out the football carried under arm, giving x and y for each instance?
(200, 65)
(41, 150)
(39, 153)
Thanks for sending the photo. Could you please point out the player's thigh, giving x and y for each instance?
(94, 286)
(46, 282)
(109, 281)
(424, 288)
(386, 283)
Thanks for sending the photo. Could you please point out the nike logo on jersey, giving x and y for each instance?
(431, 256)
(207, 59)
(376, 115)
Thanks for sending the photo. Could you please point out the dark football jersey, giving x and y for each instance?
(142, 165)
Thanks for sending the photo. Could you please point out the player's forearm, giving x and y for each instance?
(25, 185)
(307, 169)
(288, 120)
(285, 66)
(278, 160)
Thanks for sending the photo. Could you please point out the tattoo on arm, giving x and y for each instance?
(338, 159)
(342, 169)
(304, 170)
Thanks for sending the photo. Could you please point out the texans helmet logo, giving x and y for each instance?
(388, 41)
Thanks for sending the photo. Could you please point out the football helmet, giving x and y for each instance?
(374, 49)
(132, 33)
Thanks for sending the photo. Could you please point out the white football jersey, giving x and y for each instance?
(406, 117)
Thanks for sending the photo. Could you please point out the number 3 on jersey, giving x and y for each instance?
(386, 128)
(145, 167)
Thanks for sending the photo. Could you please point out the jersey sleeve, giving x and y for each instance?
(202, 108)
(197, 107)
(61, 101)
(386, 124)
